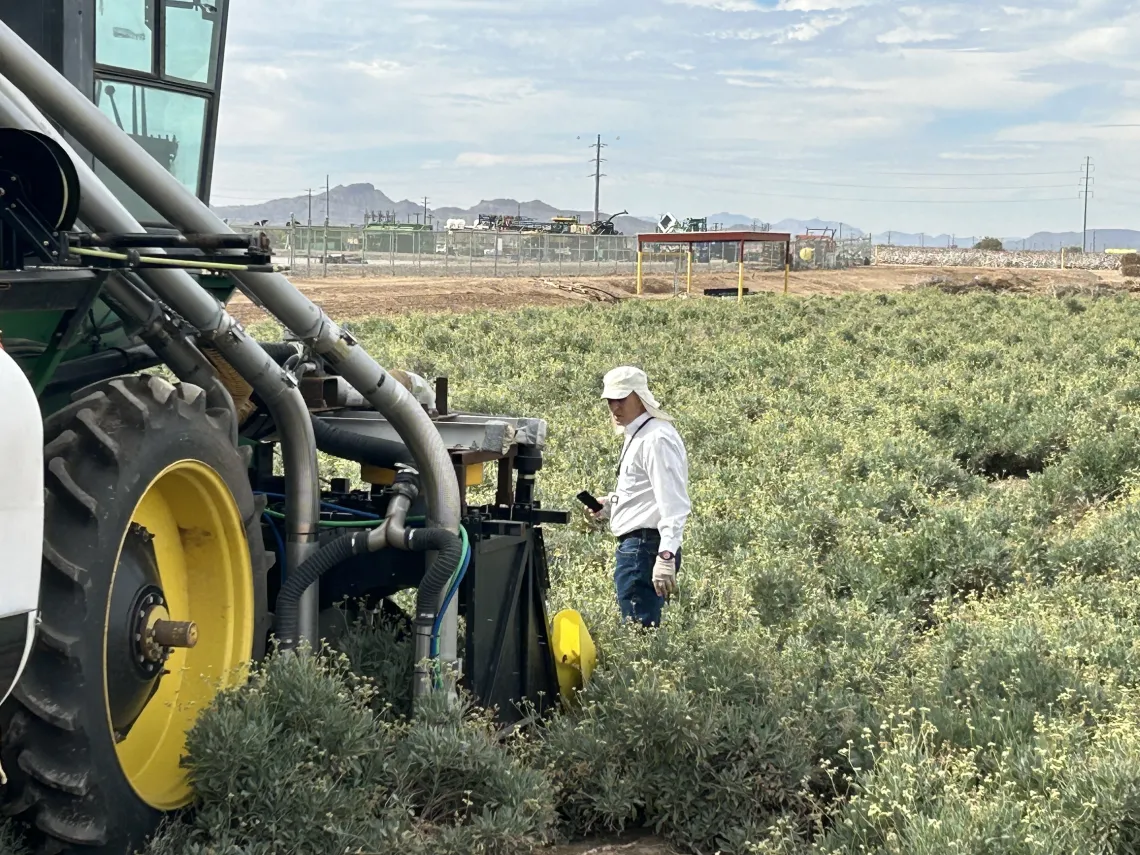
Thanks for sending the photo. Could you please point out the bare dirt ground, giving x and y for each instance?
(628, 846)
(346, 294)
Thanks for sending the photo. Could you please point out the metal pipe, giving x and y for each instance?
(100, 209)
(161, 190)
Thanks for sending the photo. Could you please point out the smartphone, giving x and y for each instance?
(589, 501)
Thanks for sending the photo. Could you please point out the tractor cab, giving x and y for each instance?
(152, 66)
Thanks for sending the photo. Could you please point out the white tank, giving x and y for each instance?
(21, 512)
(21, 491)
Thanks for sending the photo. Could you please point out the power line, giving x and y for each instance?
(968, 174)
(915, 186)
(765, 193)
(916, 201)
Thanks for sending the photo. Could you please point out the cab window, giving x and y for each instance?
(170, 126)
(124, 34)
(190, 33)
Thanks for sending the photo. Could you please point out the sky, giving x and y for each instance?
(971, 117)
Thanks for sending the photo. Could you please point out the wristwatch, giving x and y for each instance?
(667, 555)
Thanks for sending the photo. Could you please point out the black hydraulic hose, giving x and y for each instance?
(279, 351)
(312, 568)
(350, 445)
(429, 597)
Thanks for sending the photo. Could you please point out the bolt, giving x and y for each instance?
(175, 633)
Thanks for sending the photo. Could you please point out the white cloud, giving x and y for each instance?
(973, 155)
(720, 5)
(481, 160)
(379, 68)
(805, 31)
(819, 5)
(909, 35)
(747, 35)
(1099, 42)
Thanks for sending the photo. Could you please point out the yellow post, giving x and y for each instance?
(1062, 258)
(689, 275)
(639, 270)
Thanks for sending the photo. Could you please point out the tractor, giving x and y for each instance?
(163, 520)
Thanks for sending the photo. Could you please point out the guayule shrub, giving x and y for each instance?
(1073, 789)
(301, 761)
(901, 502)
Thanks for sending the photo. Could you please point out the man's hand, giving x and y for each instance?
(603, 514)
(665, 575)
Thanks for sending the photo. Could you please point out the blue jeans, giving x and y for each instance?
(633, 578)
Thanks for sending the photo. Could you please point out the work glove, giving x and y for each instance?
(665, 576)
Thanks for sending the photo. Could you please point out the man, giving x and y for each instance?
(648, 509)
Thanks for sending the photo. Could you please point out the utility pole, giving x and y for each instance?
(309, 238)
(425, 210)
(1087, 182)
(597, 176)
(325, 248)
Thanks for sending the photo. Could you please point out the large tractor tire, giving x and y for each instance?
(150, 525)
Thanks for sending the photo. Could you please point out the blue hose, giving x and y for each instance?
(438, 623)
(330, 506)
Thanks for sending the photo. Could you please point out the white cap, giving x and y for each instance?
(621, 381)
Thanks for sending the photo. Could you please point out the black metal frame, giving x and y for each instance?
(511, 670)
(508, 660)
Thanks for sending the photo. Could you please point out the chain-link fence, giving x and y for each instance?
(827, 253)
(316, 251)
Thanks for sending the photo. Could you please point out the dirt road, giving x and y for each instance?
(346, 295)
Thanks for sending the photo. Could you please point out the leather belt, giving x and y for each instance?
(646, 533)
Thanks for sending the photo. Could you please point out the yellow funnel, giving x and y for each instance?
(574, 653)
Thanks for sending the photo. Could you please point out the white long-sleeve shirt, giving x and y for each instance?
(652, 489)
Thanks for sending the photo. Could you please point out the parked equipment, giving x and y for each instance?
(169, 547)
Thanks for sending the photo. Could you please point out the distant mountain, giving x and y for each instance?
(1098, 240)
(348, 205)
(725, 220)
(906, 239)
(792, 226)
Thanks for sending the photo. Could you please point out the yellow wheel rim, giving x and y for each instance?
(204, 567)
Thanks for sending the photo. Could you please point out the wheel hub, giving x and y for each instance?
(141, 635)
(155, 634)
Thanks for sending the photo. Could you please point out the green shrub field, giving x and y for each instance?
(909, 618)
